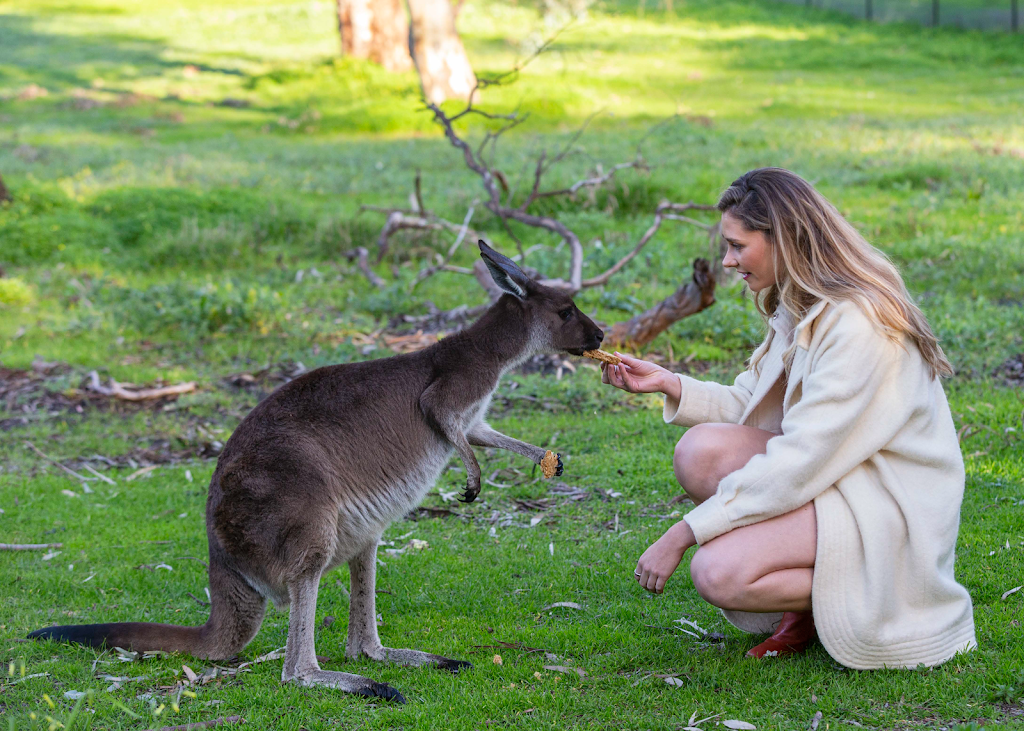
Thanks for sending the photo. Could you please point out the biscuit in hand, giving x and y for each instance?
(602, 356)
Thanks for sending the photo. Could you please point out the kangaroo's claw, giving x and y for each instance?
(469, 495)
(558, 469)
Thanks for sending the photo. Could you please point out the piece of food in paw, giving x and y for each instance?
(603, 356)
(551, 464)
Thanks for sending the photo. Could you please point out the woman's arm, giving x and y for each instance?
(687, 400)
(662, 558)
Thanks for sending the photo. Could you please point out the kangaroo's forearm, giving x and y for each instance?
(484, 436)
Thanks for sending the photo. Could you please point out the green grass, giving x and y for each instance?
(158, 235)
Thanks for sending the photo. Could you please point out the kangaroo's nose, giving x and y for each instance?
(600, 336)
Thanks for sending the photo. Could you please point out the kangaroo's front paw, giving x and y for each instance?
(551, 464)
(472, 490)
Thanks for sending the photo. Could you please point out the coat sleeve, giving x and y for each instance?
(855, 399)
(702, 402)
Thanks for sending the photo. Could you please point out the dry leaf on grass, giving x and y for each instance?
(674, 681)
(496, 660)
(1014, 590)
(29, 546)
(567, 605)
(740, 725)
(139, 473)
(564, 669)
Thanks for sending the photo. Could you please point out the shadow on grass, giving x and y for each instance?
(59, 61)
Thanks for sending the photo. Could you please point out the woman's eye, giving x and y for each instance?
(565, 314)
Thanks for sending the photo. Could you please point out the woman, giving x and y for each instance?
(828, 478)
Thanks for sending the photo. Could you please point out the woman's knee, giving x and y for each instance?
(715, 579)
(696, 459)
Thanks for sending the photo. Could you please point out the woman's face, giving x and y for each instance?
(749, 252)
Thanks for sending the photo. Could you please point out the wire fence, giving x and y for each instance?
(977, 14)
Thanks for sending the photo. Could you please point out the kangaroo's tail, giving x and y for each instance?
(235, 616)
(139, 636)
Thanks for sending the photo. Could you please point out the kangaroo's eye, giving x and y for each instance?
(566, 313)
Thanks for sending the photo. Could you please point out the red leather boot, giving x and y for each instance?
(794, 633)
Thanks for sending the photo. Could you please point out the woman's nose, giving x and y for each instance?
(729, 261)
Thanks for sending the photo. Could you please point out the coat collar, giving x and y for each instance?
(804, 330)
(772, 365)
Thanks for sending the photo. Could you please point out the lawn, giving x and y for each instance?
(187, 177)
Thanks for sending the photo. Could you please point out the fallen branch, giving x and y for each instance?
(665, 211)
(363, 257)
(202, 724)
(431, 270)
(29, 546)
(52, 461)
(689, 299)
(199, 601)
(116, 390)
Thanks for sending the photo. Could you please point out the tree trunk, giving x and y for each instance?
(355, 19)
(5, 195)
(376, 30)
(438, 53)
(689, 299)
(390, 35)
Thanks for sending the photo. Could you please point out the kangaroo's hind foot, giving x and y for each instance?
(363, 639)
(300, 663)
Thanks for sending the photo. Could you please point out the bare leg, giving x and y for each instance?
(709, 452)
(482, 435)
(300, 663)
(362, 620)
(764, 567)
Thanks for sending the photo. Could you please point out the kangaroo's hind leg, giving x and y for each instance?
(300, 663)
(362, 620)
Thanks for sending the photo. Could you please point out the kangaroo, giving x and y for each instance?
(316, 472)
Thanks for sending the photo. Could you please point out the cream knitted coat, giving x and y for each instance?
(866, 433)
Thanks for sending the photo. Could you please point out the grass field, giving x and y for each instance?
(187, 177)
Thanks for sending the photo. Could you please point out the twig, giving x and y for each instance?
(272, 655)
(203, 602)
(364, 266)
(51, 460)
(661, 214)
(419, 194)
(431, 270)
(116, 390)
(29, 546)
(202, 724)
(192, 558)
(100, 475)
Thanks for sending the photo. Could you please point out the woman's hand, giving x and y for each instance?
(639, 376)
(660, 561)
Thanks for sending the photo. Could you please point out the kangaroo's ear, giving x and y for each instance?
(509, 277)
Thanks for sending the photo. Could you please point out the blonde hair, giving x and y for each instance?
(819, 256)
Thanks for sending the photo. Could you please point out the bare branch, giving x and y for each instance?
(29, 546)
(116, 390)
(431, 270)
(419, 195)
(363, 257)
(659, 216)
(594, 182)
(52, 461)
(689, 299)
